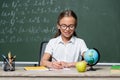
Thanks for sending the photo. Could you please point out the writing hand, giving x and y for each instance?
(67, 65)
(57, 65)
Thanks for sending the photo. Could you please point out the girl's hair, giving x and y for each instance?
(66, 13)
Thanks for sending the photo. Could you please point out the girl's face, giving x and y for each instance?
(67, 27)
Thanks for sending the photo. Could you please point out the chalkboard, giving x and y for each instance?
(24, 24)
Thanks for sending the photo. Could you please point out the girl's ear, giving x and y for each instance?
(58, 26)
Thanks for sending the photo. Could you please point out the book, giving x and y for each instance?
(115, 69)
(39, 68)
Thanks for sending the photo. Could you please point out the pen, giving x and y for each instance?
(10, 57)
(7, 61)
(13, 58)
(54, 59)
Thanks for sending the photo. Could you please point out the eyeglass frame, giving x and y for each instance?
(64, 26)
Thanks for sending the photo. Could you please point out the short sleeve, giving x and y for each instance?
(49, 48)
(83, 47)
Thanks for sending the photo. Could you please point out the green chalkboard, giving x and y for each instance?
(24, 24)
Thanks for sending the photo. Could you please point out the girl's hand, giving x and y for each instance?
(67, 65)
(57, 65)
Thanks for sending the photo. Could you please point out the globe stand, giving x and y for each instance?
(91, 69)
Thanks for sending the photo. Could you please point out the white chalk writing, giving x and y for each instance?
(27, 20)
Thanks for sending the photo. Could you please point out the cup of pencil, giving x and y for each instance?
(9, 62)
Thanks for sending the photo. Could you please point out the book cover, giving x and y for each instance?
(115, 69)
(41, 68)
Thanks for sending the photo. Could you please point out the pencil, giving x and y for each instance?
(54, 59)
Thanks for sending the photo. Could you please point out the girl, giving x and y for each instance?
(65, 48)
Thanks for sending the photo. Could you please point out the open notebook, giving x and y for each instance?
(41, 68)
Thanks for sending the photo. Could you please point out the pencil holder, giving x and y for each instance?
(8, 66)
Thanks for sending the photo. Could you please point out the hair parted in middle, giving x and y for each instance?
(66, 13)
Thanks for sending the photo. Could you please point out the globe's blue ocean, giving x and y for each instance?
(91, 56)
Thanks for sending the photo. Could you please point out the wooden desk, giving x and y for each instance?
(102, 72)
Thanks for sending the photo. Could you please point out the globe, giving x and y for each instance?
(92, 57)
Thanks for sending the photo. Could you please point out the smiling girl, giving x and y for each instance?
(65, 48)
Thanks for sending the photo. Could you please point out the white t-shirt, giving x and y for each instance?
(70, 52)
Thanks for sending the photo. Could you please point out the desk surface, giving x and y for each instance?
(101, 72)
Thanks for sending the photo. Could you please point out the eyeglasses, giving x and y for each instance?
(64, 26)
